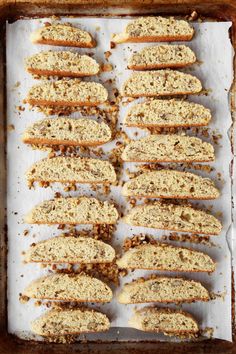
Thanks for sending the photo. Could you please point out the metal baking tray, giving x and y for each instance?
(11, 10)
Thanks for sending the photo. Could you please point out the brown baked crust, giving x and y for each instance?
(35, 102)
(155, 39)
(70, 181)
(69, 299)
(139, 196)
(162, 94)
(159, 66)
(177, 161)
(165, 125)
(58, 73)
(62, 43)
(62, 142)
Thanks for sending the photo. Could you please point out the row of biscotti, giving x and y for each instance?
(67, 63)
(73, 92)
(152, 184)
(143, 29)
(158, 215)
(160, 148)
(83, 288)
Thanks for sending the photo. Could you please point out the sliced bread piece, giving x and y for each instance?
(170, 184)
(162, 56)
(73, 211)
(63, 63)
(168, 148)
(167, 114)
(71, 169)
(160, 83)
(162, 256)
(173, 217)
(61, 322)
(164, 320)
(63, 34)
(69, 287)
(155, 29)
(66, 92)
(162, 289)
(67, 131)
(71, 250)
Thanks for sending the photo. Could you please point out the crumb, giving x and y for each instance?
(112, 45)
(106, 67)
(26, 232)
(23, 298)
(10, 127)
(107, 54)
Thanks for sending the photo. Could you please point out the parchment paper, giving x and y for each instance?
(213, 49)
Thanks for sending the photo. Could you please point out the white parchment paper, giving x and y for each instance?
(213, 49)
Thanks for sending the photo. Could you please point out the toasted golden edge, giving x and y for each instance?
(124, 38)
(36, 38)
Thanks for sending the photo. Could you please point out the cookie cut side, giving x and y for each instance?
(173, 217)
(168, 148)
(166, 257)
(155, 29)
(161, 57)
(73, 211)
(163, 290)
(66, 92)
(61, 63)
(160, 83)
(164, 320)
(63, 35)
(69, 287)
(67, 131)
(60, 322)
(167, 114)
(170, 184)
(71, 250)
(72, 170)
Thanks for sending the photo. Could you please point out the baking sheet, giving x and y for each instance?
(215, 53)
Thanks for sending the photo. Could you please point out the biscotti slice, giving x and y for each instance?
(162, 289)
(73, 211)
(155, 29)
(164, 320)
(69, 287)
(67, 131)
(168, 148)
(173, 217)
(160, 83)
(162, 56)
(61, 322)
(71, 170)
(63, 63)
(66, 92)
(63, 35)
(166, 257)
(70, 250)
(167, 114)
(170, 184)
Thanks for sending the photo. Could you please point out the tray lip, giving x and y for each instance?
(6, 339)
